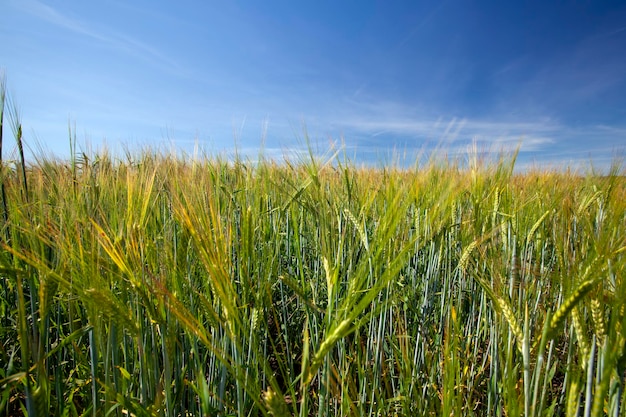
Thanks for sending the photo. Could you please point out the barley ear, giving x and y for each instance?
(336, 333)
(573, 398)
(509, 316)
(502, 305)
(275, 404)
(597, 314)
(571, 302)
(583, 344)
(465, 256)
(496, 206)
(533, 229)
(360, 229)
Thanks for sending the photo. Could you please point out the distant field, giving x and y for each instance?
(157, 286)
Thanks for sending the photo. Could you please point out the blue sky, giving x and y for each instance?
(374, 77)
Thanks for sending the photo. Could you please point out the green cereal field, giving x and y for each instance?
(157, 285)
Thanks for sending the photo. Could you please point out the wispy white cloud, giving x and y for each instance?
(454, 129)
(49, 14)
(383, 126)
(107, 36)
